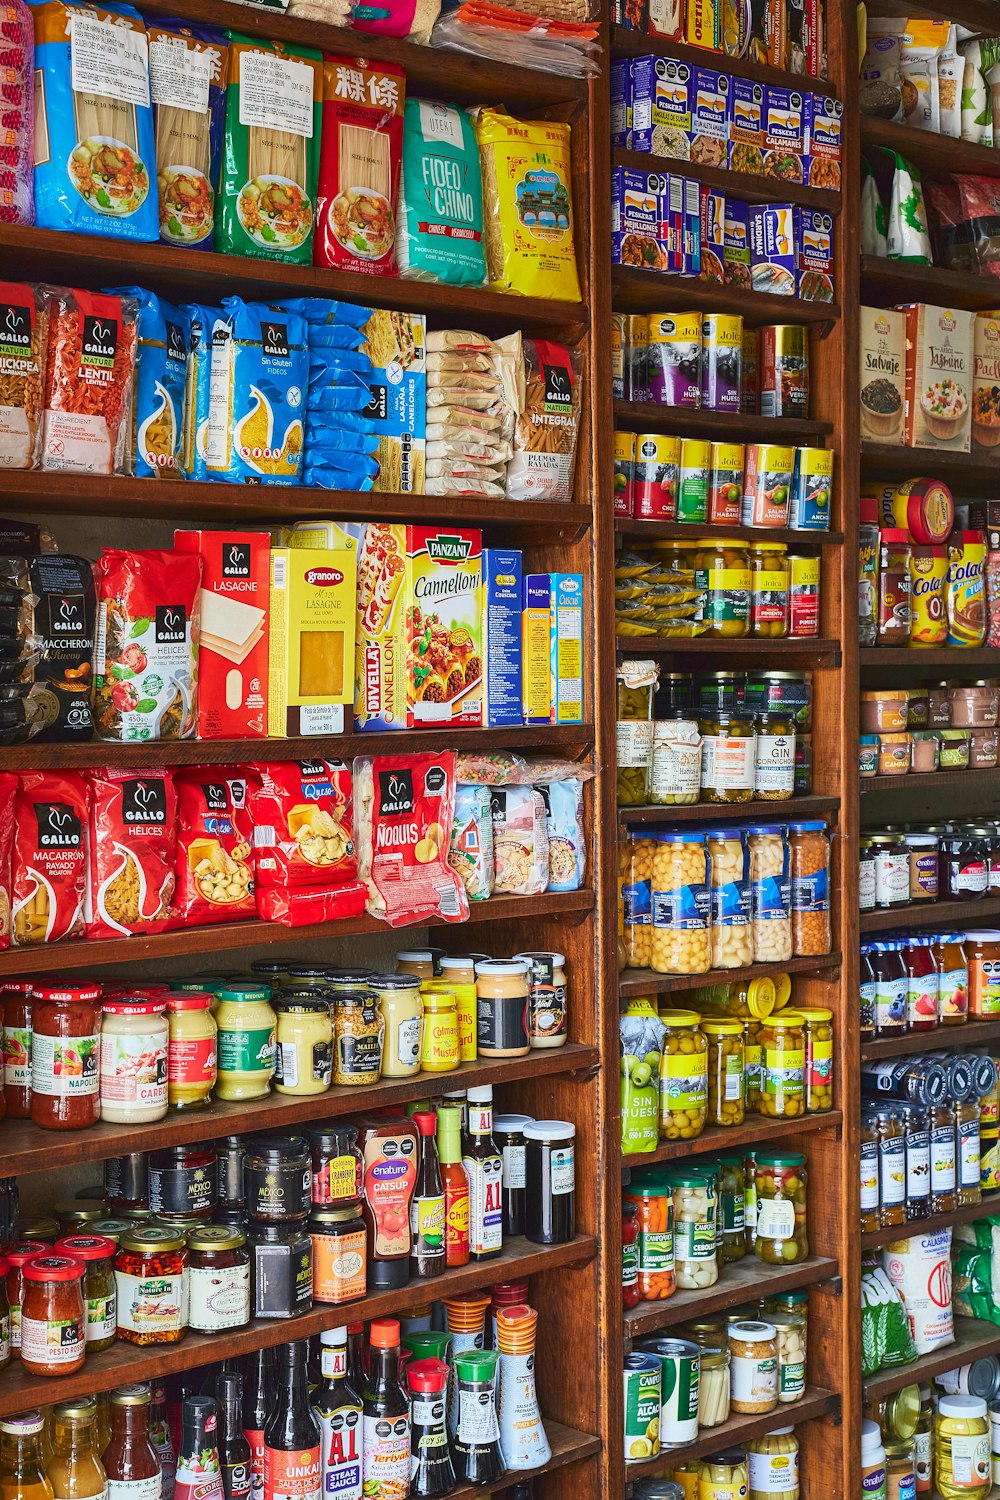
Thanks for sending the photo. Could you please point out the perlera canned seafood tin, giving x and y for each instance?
(721, 361)
(655, 476)
(812, 489)
(784, 370)
(675, 359)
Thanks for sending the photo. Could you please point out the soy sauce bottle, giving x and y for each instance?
(386, 1413)
(234, 1450)
(291, 1433)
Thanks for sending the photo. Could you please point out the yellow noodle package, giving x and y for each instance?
(528, 209)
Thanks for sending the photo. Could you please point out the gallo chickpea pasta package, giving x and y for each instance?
(133, 837)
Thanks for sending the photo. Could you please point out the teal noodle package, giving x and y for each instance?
(440, 220)
(156, 433)
(95, 167)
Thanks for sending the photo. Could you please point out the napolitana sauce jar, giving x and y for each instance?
(65, 1056)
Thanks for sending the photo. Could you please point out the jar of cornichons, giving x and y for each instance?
(695, 1206)
(636, 687)
(809, 868)
(769, 692)
(683, 1077)
(753, 1350)
(681, 899)
(781, 1230)
(774, 766)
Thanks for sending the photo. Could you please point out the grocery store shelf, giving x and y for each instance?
(743, 1281)
(739, 1431)
(637, 290)
(754, 1131)
(930, 150)
(873, 1238)
(625, 43)
(912, 780)
(895, 281)
(715, 812)
(963, 471)
(913, 659)
(568, 1447)
(750, 187)
(973, 1339)
(684, 531)
(923, 914)
(972, 1034)
(648, 982)
(804, 653)
(652, 416)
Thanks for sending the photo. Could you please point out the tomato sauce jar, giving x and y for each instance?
(17, 1257)
(66, 1056)
(17, 1047)
(53, 1317)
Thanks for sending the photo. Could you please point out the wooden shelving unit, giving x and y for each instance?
(649, 416)
(748, 1279)
(746, 186)
(681, 531)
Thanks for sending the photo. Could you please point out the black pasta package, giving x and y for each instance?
(62, 587)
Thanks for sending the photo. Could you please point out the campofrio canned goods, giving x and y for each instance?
(656, 474)
(680, 1377)
(643, 1383)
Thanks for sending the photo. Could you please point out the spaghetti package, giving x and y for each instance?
(188, 66)
(305, 861)
(259, 375)
(548, 421)
(17, 153)
(527, 206)
(155, 437)
(8, 789)
(49, 876)
(359, 165)
(267, 198)
(404, 812)
(89, 364)
(23, 321)
(133, 839)
(440, 233)
(94, 153)
(214, 847)
(201, 323)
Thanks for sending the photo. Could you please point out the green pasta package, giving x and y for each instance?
(270, 157)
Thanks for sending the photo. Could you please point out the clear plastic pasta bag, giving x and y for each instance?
(17, 67)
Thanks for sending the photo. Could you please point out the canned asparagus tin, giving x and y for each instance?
(643, 1375)
(680, 1375)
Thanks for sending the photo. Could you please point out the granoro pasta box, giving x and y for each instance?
(235, 583)
(311, 639)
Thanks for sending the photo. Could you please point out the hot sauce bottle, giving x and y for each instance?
(291, 1432)
(455, 1184)
(258, 1391)
(130, 1460)
(427, 1208)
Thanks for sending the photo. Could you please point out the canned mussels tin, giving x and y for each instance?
(642, 1376)
(784, 370)
(721, 361)
(680, 1375)
(692, 489)
(656, 471)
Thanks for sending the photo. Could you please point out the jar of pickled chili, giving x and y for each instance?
(65, 1056)
(53, 1316)
(631, 1295)
(152, 1285)
(98, 1256)
(653, 1201)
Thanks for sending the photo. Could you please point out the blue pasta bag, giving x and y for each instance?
(320, 311)
(358, 472)
(259, 383)
(188, 66)
(201, 321)
(95, 168)
(156, 431)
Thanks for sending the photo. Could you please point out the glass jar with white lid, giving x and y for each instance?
(134, 1038)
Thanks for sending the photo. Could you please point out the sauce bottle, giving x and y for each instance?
(234, 1450)
(455, 1184)
(258, 1390)
(291, 1432)
(427, 1210)
(339, 1414)
(75, 1472)
(356, 1356)
(484, 1168)
(130, 1460)
(21, 1473)
(433, 1470)
(198, 1474)
(386, 1417)
(159, 1434)
(389, 1164)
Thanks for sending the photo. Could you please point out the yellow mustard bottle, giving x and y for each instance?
(246, 1025)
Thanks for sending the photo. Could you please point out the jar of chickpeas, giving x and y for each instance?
(809, 869)
(819, 1058)
(637, 899)
(695, 1206)
(725, 1071)
(730, 937)
(683, 1077)
(783, 1062)
(769, 893)
(681, 900)
(781, 1233)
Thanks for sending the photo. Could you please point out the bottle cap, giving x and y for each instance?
(427, 1377)
(466, 1314)
(425, 1121)
(476, 1364)
(334, 1338)
(383, 1333)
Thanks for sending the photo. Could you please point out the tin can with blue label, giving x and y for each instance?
(812, 489)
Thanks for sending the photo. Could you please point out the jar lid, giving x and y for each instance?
(784, 1018)
(752, 1333)
(85, 1407)
(549, 1130)
(66, 994)
(53, 1268)
(722, 1028)
(982, 935)
(680, 1017)
(134, 1007)
(502, 967)
(153, 1238)
(637, 674)
(25, 1425)
(276, 1147)
(779, 1159)
(456, 961)
(769, 829)
(555, 959)
(814, 827)
(675, 836)
(349, 1209)
(131, 1395)
(763, 546)
(734, 835)
(415, 956)
(394, 981)
(964, 1408)
(816, 1013)
(353, 978)
(245, 994)
(511, 1124)
(20, 1253)
(349, 999)
(216, 1237)
(86, 1246)
(190, 1002)
(289, 1001)
(921, 840)
(325, 1136)
(894, 534)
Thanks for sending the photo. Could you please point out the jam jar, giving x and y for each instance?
(219, 1278)
(866, 994)
(892, 870)
(184, 1182)
(964, 865)
(923, 850)
(336, 1165)
(866, 874)
(891, 983)
(953, 967)
(277, 1176)
(923, 986)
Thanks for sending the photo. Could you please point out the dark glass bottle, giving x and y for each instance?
(198, 1473)
(258, 1393)
(339, 1412)
(478, 1459)
(427, 1203)
(484, 1168)
(386, 1413)
(291, 1432)
(234, 1450)
(433, 1470)
(356, 1355)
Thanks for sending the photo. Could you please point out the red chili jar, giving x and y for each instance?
(631, 1296)
(17, 1047)
(152, 1286)
(923, 984)
(66, 1056)
(17, 1258)
(53, 1317)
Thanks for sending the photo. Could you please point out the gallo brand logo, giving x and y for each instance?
(171, 624)
(144, 802)
(176, 347)
(100, 341)
(58, 826)
(236, 560)
(215, 794)
(15, 334)
(275, 339)
(395, 792)
(67, 617)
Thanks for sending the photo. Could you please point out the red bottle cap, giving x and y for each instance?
(67, 994)
(184, 1001)
(427, 1377)
(426, 1121)
(53, 1268)
(383, 1333)
(85, 1247)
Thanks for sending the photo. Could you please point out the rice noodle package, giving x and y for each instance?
(404, 812)
(23, 321)
(527, 206)
(94, 152)
(89, 365)
(214, 847)
(440, 235)
(155, 438)
(359, 165)
(304, 853)
(188, 66)
(17, 153)
(50, 857)
(133, 841)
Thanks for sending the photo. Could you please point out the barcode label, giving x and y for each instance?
(278, 571)
(264, 836)
(448, 901)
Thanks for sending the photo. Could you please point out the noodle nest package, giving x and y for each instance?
(527, 206)
(187, 79)
(359, 166)
(94, 152)
(440, 235)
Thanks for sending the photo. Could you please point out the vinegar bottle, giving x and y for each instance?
(21, 1475)
(75, 1472)
(291, 1433)
(523, 1442)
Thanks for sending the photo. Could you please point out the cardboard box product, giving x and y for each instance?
(806, 39)
(639, 235)
(784, 134)
(823, 130)
(703, 24)
(709, 127)
(621, 102)
(736, 245)
(566, 648)
(713, 234)
(986, 385)
(939, 353)
(767, 31)
(503, 592)
(684, 209)
(536, 639)
(233, 652)
(883, 374)
(773, 258)
(746, 126)
(666, 19)
(661, 98)
(311, 639)
(814, 255)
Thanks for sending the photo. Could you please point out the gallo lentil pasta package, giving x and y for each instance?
(359, 165)
(214, 847)
(188, 66)
(133, 841)
(405, 807)
(89, 365)
(304, 853)
(50, 857)
(23, 321)
(156, 427)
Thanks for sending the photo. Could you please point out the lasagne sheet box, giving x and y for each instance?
(233, 651)
(503, 586)
(312, 607)
(566, 648)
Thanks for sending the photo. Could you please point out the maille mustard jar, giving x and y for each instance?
(636, 686)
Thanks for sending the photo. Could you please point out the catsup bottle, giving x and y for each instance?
(291, 1433)
(389, 1157)
(130, 1460)
(339, 1413)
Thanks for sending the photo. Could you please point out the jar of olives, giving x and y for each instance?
(725, 1072)
(683, 1077)
(781, 1181)
(728, 757)
(819, 1058)
(730, 938)
(636, 686)
(681, 900)
(724, 573)
(769, 589)
(637, 900)
(783, 1065)
(695, 1204)
(732, 1209)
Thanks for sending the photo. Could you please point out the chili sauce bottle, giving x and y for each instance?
(291, 1433)
(427, 1209)
(455, 1184)
(385, 1416)
(484, 1168)
(339, 1414)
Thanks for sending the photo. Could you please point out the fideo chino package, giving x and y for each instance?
(405, 808)
(305, 864)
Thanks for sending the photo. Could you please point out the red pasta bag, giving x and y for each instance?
(304, 858)
(133, 851)
(405, 813)
(50, 857)
(89, 364)
(8, 791)
(361, 156)
(214, 847)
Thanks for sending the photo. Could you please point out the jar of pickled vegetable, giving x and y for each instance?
(636, 686)
(783, 1065)
(773, 1465)
(681, 900)
(751, 1002)
(730, 939)
(732, 1209)
(695, 1206)
(714, 1385)
(652, 1198)
(750, 1198)
(781, 1182)
(683, 1077)
(791, 1329)
(637, 900)
(819, 1058)
(685, 1474)
(962, 1463)
(723, 570)
(725, 1071)
(724, 1476)
(770, 915)
(675, 764)
(728, 757)
(769, 589)
(631, 1295)
(774, 770)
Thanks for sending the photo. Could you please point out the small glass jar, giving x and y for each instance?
(339, 1253)
(675, 764)
(219, 1278)
(303, 1043)
(502, 1003)
(683, 1077)
(770, 894)
(809, 868)
(723, 1476)
(944, 1168)
(636, 863)
(774, 766)
(65, 1056)
(336, 1165)
(891, 986)
(730, 933)
(769, 589)
(549, 1181)
(819, 1058)
(781, 1229)
(964, 865)
(631, 1295)
(728, 758)
(280, 1269)
(866, 995)
(725, 1072)
(962, 1462)
(923, 850)
(956, 749)
(681, 901)
(894, 555)
(192, 1050)
(277, 1178)
(53, 1315)
(98, 1256)
(773, 1465)
(723, 568)
(439, 1052)
(953, 969)
(152, 1286)
(636, 688)
(358, 1032)
(753, 1351)
(923, 983)
(892, 870)
(791, 1328)
(184, 1182)
(891, 1128)
(695, 1205)
(783, 1048)
(713, 1387)
(973, 703)
(866, 874)
(246, 1023)
(731, 1214)
(548, 1007)
(652, 1199)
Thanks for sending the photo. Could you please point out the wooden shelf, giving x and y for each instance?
(227, 938)
(744, 1280)
(651, 416)
(874, 1238)
(648, 982)
(751, 650)
(676, 530)
(913, 780)
(965, 471)
(927, 149)
(937, 914)
(912, 658)
(894, 281)
(972, 1034)
(635, 290)
(568, 1447)
(973, 1339)
(739, 1431)
(625, 43)
(977, 15)
(792, 808)
(747, 186)
(756, 1130)
(128, 1362)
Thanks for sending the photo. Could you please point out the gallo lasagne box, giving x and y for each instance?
(232, 668)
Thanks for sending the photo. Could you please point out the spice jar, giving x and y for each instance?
(134, 1035)
(192, 1050)
(652, 1199)
(893, 610)
(791, 1328)
(65, 1056)
(728, 757)
(809, 868)
(683, 1077)
(769, 589)
(184, 1182)
(98, 1256)
(681, 901)
(819, 1058)
(636, 686)
(358, 1030)
(725, 1071)
(962, 1463)
(277, 1178)
(723, 571)
(152, 1287)
(713, 1387)
(774, 768)
(303, 1043)
(782, 1040)
(246, 1025)
(769, 893)
(730, 935)
(336, 1165)
(53, 1315)
(731, 1215)
(675, 762)
(339, 1252)
(695, 1206)
(773, 1465)
(781, 1233)
(219, 1278)
(753, 1351)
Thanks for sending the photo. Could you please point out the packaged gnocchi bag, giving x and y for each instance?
(133, 851)
(404, 814)
(567, 842)
(50, 857)
(471, 852)
(520, 841)
(304, 857)
(214, 847)
(8, 790)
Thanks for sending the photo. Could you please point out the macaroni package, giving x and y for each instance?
(94, 152)
(567, 839)
(267, 198)
(50, 857)
(359, 165)
(405, 806)
(440, 234)
(187, 80)
(527, 206)
(520, 841)
(133, 841)
(155, 436)
(214, 853)
(259, 375)
(303, 840)
(89, 364)
(23, 320)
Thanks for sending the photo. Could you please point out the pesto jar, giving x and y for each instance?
(723, 571)
(635, 687)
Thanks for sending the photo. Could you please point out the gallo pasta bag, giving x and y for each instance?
(214, 847)
(23, 321)
(155, 433)
(50, 857)
(527, 206)
(305, 861)
(259, 373)
(8, 790)
(89, 366)
(133, 837)
(405, 809)
(359, 165)
(187, 78)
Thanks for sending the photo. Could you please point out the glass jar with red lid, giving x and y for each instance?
(53, 1316)
(4, 1316)
(17, 1257)
(890, 986)
(66, 1056)
(17, 1047)
(867, 994)
(631, 1296)
(98, 1256)
(923, 983)
(964, 865)
(152, 1286)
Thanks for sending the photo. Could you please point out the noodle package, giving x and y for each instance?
(201, 323)
(548, 420)
(156, 430)
(527, 206)
(94, 153)
(89, 365)
(259, 374)
(359, 165)
(133, 843)
(187, 80)
(267, 199)
(440, 234)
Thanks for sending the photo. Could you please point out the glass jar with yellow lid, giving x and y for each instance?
(962, 1463)
(773, 1464)
(769, 589)
(192, 1050)
(458, 974)
(725, 1071)
(751, 1002)
(247, 1024)
(819, 1057)
(303, 1042)
(635, 688)
(683, 1077)
(783, 1065)
(724, 573)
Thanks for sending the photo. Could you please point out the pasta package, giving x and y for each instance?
(17, 152)
(8, 791)
(188, 67)
(440, 232)
(94, 150)
(270, 164)
(541, 467)
(133, 839)
(471, 852)
(520, 841)
(49, 876)
(527, 206)
(305, 861)
(214, 847)
(410, 18)
(404, 813)
(258, 380)
(89, 364)
(23, 321)
(567, 837)
(201, 323)
(155, 437)
(359, 165)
